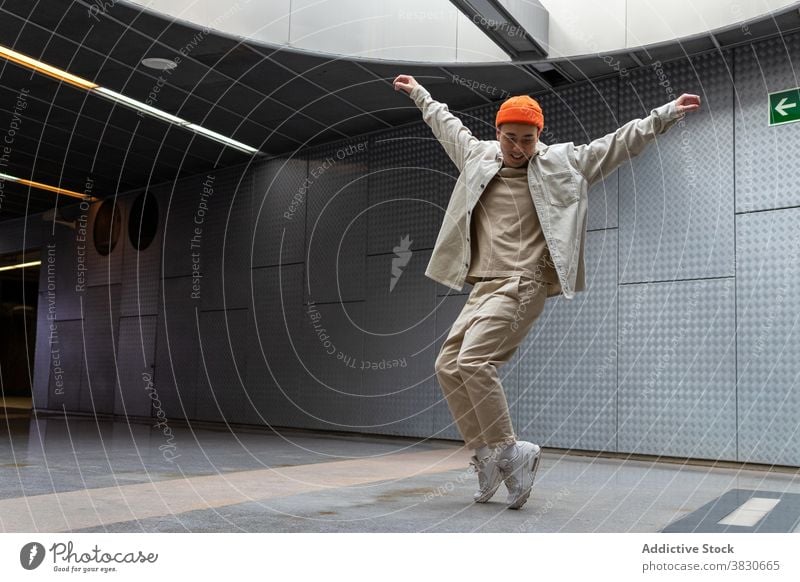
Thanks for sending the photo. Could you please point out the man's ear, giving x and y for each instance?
(497, 132)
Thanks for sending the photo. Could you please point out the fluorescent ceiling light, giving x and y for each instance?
(143, 107)
(46, 69)
(21, 266)
(222, 139)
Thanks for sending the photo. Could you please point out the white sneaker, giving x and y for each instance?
(519, 472)
(489, 476)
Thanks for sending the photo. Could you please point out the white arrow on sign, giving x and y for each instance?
(783, 106)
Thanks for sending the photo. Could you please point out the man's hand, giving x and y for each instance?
(405, 83)
(687, 102)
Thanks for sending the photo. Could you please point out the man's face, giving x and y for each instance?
(517, 142)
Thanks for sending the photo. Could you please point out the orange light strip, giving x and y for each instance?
(55, 189)
(45, 69)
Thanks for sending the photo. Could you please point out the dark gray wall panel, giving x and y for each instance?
(67, 369)
(399, 333)
(480, 120)
(274, 361)
(447, 311)
(222, 369)
(227, 232)
(336, 227)
(677, 370)
(177, 349)
(58, 274)
(42, 357)
(676, 198)
(444, 290)
(136, 391)
(180, 214)
(410, 181)
(330, 394)
(766, 157)
(141, 269)
(568, 367)
(101, 325)
(280, 192)
(768, 342)
(104, 269)
(580, 113)
(21, 234)
(604, 203)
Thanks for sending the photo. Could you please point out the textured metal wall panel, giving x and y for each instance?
(330, 394)
(227, 234)
(568, 362)
(410, 181)
(177, 348)
(136, 353)
(103, 269)
(399, 332)
(445, 291)
(676, 198)
(274, 364)
(580, 113)
(447, 311)
(280, 190)
(42, 357)
(67, 369)
(336, 227)
(768, 342)
(181, 209)
(59, 275)
(223, 366)
(101, 324)
(766, 157)
(141, 269)
(677, 371)
(480, 120)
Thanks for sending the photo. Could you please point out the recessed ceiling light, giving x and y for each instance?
(159, 63)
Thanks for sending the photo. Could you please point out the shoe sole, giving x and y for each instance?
(534, 466)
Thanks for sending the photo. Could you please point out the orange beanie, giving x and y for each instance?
(520, 109)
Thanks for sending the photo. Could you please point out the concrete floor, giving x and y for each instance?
(77, 474)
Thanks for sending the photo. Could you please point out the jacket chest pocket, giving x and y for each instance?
(561, 188)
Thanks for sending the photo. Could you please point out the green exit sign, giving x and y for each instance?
(784, 106)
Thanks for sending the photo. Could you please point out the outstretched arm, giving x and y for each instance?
(602, 156)
(455, 137)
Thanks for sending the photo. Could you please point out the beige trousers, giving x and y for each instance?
(496, 318)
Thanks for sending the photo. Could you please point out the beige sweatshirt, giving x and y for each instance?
(505, 235)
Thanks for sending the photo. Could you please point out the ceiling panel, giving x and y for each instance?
(272, 97)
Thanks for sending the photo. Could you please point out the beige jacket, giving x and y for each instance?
(559, 177)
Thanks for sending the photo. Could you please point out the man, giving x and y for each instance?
(514, 228)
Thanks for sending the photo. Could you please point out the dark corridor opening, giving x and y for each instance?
(19, 293)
